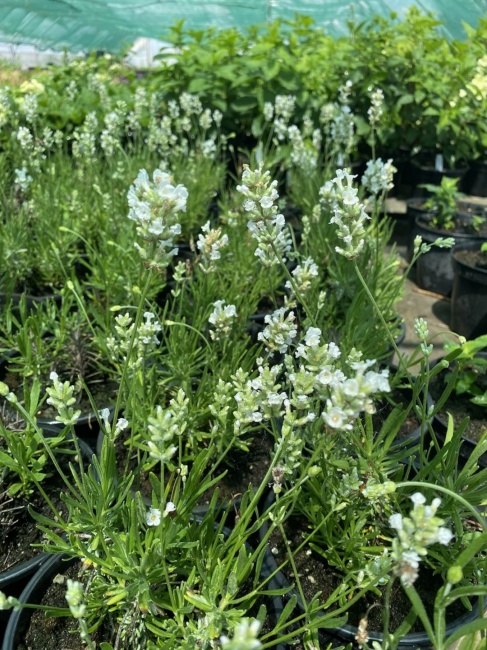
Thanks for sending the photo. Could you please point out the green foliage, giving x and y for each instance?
(443, 202)
(470, 369)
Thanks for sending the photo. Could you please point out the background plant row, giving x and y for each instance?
(435, 88)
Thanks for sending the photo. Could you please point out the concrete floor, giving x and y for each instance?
(435, 309)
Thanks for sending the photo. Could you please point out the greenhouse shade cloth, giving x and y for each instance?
(113, 25)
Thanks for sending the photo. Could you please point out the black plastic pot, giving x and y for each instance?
(434, 270)
(336, 637)
(427, 175)
(32, 594)
(475, 180)
(399, 339)
(414, 438)
(31, 301)
(415, 209)
(468, 305)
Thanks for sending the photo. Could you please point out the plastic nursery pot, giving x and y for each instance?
(399, 339)
(440, 421)
(468, 305)
(31, 301)
(434, 270)
(337, 636)
(55, 564)
(426, 175)
(25, 569)
(475, 180)
(32, 594)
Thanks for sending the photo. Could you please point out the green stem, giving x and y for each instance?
(387, 612)
(138, 318)
(382, 320)
(294, 286)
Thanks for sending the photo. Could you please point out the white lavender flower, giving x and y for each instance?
(304, 275)
(266, 225)
(153, 206)
(378, 176)
(22, 179)
(222, 318)
(75, 598)
(349, 216)
(205, 119)
(244, 636)
(62, 399)
(284, 106)
(342, 131)
(303, 153)
(30, 107)
(209, 149)
(376, 108)
(190, 104)
(280, 330)
(414, 534)
(166, 426)
(124, 344)
(25, 138)
(210, 242)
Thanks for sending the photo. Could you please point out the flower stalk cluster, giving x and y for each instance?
(210, 242)
(133, 347)
(349, 215)
(414, 534)
(222, 318)
(61, 398)
(268, 227)
(154, 206)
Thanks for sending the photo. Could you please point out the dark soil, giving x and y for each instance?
(463, 226)
(18, 531)
(62, 633)
(243, 468)
(57, 633)
(386, 406)
(317, 576)
(104, 394)
(476, 259)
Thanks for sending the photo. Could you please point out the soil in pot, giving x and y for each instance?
(474, 258)
(243, 468)
(475, 180)
(424, 174)
(434, 270)
(53, 633)
(104, 393)
(38, 632)
(411, 425)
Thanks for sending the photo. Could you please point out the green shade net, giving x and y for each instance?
(109, 25)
